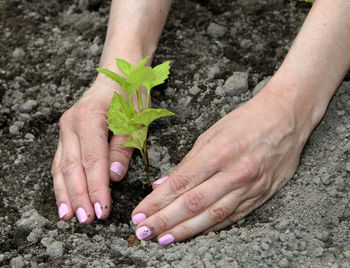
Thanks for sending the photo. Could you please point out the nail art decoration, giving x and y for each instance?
(81, 215)
(143, 233)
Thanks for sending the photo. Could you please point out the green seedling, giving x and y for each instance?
(123, 118)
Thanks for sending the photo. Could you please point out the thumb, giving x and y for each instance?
(119, 157)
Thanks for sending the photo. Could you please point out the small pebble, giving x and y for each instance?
(28, 106)
(62, 225)
(215, 30)
(283, 263)
(194, 90)
(18, 54)
(14, 130)
(55, 249)
(17, 262)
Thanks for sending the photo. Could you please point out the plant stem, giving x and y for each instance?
(144, 155)
(139, 98)
(147, 101)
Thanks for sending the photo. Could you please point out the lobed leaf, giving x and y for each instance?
(129, 89)
(146, 117)
(141, 76)
(142, 63)
(120, 115)
(137, 139)
(125, 67)
(161, 72)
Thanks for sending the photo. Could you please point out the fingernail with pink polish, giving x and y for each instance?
(161, 180)
(117, 168)
(62, 210)
(139, 217)
(98, 210)
(143, 233)
(81, 215)
(166, 240)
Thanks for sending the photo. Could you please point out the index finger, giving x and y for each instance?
(193, 171)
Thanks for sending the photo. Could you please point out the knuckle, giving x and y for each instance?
(68, 166)
(77, 196)
(161, 223)
(179, 184)
(55, 168)
(116, 147)
(90, 159)
(155, 204)
(226, 149)
(248, 170)
(217, 214)
(84, 112)
(193, 202)
(64, 119)
(93, 191)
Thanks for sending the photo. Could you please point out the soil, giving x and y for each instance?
(48, 52)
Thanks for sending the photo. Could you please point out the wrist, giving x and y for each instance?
(300, 100)
(106, 86)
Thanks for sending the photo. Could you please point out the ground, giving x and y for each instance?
(48, 52)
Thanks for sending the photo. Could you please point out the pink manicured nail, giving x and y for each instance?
(62, 210)
(161, 180)
(98, 210)
(139, 217)
(166, 240)
(81, 215)
(117, 168)
(143, 233)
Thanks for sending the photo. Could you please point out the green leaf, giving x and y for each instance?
(125, 67)
(120, 115)
(146, 117)
(141, 76)
(112, 75)
(129, 89)
(142, 63)
(161, 72)
(118, 102)
(137, 139)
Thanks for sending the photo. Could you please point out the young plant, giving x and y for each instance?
(123, 118)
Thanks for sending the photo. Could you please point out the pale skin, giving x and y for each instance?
(247, 156)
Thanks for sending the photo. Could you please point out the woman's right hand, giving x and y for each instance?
(84, 162)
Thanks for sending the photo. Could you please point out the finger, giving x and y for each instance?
(192, 172)
(95, 161)
(159, 182)
(119, 156)
(246, 207)
(242, 210)
(74, 176)
(65, 211)
(189, 204)
(216, 213)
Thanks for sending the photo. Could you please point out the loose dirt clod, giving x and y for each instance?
(48, 54)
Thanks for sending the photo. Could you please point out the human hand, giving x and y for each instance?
(233, 168)
(84, 162)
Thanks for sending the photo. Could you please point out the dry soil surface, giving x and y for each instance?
(48, 52)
